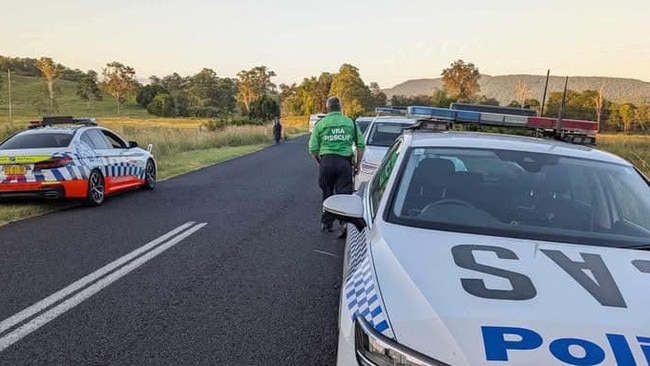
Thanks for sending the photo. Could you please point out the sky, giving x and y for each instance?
(389, 41)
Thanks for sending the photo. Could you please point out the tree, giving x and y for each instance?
(487, 101)
(162, 105)
(50, 72)
(87, 88)
(253, 84)
(322, 90)
(377, 97)
(119, 81)
(147, 93)
(349, 87)
(599, 101)
(264, 108)
(642, 116)
(289, 102)
(441, 98)
(461, 80)
(522, 93)
(627, 114)
(405, 101)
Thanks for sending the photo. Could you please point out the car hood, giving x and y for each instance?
(374, 154)
(475, 300)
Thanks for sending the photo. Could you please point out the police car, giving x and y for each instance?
(536, 253)
(381, 133)
(65, 157)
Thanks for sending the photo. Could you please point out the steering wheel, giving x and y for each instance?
(447, 201)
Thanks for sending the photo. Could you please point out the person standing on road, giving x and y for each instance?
(331, 146)
(277, 130)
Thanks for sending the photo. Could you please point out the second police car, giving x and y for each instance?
(65, 157)
(536, 252)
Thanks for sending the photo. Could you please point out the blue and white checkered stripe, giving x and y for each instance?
(122, 169)
(361, 293)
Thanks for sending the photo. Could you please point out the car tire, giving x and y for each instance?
(150, 175)
(96, 189)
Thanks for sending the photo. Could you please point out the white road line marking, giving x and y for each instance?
(77, 299)
(326, 253)
(59, 295)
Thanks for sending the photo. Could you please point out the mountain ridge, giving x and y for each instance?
(502, 87)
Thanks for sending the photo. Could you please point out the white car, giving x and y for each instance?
(537, 253)
(313, 119)
(379, 135)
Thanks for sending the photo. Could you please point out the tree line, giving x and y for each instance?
(254, 95)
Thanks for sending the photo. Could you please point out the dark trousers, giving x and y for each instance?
(335, 177)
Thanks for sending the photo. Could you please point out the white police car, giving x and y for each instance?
(538, 253)
(381, 133)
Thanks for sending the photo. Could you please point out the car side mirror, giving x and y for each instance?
(347, 208)
(133, 144)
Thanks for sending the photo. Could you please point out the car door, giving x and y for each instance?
(132, 160)
(109, 159)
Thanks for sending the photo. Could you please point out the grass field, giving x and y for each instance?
(27, 90)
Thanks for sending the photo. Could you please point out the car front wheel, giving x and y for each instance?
(149, 176)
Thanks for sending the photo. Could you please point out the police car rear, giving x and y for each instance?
(535, 254)
(381, 133)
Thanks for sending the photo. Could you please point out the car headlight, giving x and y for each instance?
(375, 349)
(368, 168)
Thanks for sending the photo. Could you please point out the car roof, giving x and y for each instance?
(511, 142)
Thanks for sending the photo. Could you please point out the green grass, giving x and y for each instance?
(193, 160)
(25, 90)
(167, 167)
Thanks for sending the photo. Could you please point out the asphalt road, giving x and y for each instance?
(257, 285)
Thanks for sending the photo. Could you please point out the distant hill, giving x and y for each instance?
(502, 87)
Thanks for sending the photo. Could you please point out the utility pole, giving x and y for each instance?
(548, 74)
(562, 106)
(9, 85)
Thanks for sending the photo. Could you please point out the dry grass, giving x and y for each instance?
(634, 148)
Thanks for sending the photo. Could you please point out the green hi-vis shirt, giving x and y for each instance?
(334, 134)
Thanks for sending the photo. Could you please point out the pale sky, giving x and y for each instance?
(389, 41)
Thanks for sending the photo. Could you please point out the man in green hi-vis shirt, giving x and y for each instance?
(331, 145)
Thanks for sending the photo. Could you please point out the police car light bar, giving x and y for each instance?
(569, 130)
(62, 120)
(391, 110)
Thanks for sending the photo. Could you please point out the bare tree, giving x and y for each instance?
(522, 93)
(599, 100)
(50, 71)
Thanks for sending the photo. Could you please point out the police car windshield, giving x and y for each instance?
(384, 133)
(37, 141)
(523, 195)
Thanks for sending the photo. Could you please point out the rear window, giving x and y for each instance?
(36, 141)
(384, 133)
